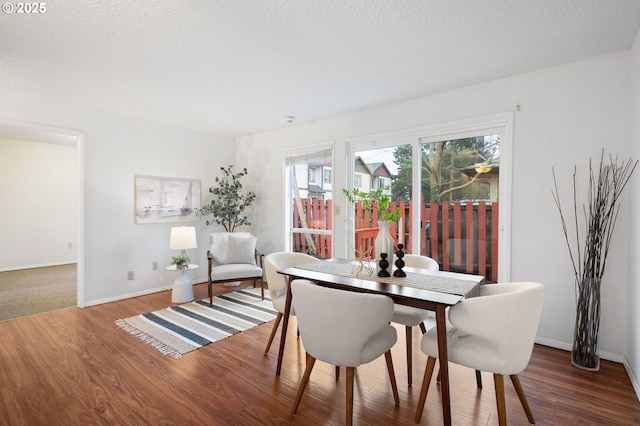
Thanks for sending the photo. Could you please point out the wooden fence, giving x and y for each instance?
(467, 242)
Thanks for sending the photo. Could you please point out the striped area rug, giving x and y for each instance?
(180, 329)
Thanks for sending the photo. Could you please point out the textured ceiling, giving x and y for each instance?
(240, 66)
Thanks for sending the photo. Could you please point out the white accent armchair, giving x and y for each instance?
(322, 314)
(493, 332)
(278, 283)
(233, 257)
(408, 316)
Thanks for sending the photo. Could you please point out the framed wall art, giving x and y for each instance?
(166, 200)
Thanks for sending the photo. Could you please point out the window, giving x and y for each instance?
(375, 168)
(452, 185)
(326, 176)
(309, 213)
(460, 188)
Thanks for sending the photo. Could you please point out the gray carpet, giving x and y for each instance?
(34, 291)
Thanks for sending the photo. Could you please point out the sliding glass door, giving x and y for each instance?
(451, 189)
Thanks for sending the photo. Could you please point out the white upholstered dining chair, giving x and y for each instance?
(232, 257)
(322, 314)
(278, 283)
(411, 317)
(493, 332)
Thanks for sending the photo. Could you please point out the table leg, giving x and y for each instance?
(285, 326)
(441, 324)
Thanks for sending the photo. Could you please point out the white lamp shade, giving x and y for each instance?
(183, 237)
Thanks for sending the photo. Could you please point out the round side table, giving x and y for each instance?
(182, 290)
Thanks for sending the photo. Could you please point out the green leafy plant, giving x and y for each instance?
(180, 260)
(228, 200)
(368, 199)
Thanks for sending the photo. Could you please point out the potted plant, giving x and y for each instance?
(588, 250)
(384, 242)
(181, 261)
(380, 195)
(229, 202)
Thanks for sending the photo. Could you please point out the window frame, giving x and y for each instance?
(309, 151)
(501, 124)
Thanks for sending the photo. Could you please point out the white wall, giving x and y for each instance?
(115, 149)
(568, 114)
(39, 193)
(633, 319)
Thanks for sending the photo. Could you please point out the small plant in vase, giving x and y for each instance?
(368, 199)
(384, 242)
(181, 261)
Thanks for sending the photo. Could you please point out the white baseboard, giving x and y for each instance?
(124, 296)
(633, 378)
(40, 265)
(567, 347)
(134, 294)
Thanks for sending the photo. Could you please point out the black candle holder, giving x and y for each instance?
(384, 264)
(399, 263)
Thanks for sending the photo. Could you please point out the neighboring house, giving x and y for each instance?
(380, 175)
(314, 180)
(493, 176)
(363, 174)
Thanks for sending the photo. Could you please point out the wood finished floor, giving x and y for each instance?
(75, 367)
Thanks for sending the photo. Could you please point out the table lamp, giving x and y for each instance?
(183, 238)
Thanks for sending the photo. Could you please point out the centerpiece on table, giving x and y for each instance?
(384, 242)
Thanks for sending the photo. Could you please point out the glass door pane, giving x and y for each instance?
(389, 170)
(459, 211)
(309, 202)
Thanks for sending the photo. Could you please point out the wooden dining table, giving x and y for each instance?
(421, 288)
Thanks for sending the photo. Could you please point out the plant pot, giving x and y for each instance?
(584, 352)
(384, 244)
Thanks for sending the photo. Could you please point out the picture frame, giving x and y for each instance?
(166, 199)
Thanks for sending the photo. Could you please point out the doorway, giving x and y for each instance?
(44, 233)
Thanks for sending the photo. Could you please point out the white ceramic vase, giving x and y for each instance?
(384, 244)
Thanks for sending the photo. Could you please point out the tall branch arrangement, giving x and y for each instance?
(228, 200)
(591, 248)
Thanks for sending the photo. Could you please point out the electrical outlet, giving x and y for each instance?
(130, 275)
(154, 266)
(69, 245)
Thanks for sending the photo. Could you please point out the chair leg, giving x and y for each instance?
(428, 372)
(303, 383)
(409, 356)
(423, 328)
(273, 331)
(392, 376)
(523, 399)
(498, 380)
(479, 379)
(261, 287)
(350, 375)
